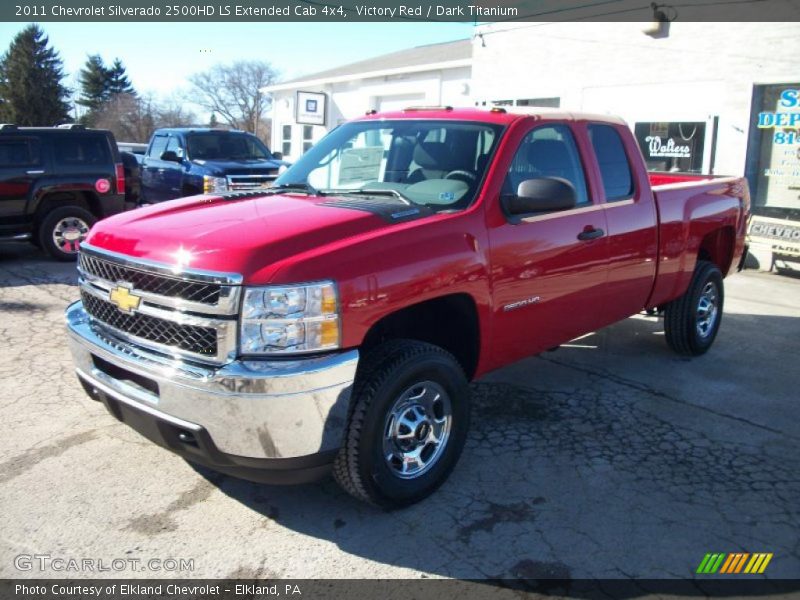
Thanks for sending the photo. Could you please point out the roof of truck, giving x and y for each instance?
(197, 130)
(499, 114)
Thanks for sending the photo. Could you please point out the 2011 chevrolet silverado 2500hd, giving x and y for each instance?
(334, 321)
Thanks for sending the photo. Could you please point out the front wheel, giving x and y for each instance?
(408, 424)
(692, 321)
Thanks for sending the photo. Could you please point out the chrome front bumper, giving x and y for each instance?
(250, 409)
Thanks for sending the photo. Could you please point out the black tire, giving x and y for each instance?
(385, 375)
(81, 220)
(682, 324)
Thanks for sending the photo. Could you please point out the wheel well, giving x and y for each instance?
(717, 247)
(450, 322)
(85, 200)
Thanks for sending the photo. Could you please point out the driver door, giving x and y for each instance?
(548, 270)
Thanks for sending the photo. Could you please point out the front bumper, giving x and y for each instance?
(276, 421)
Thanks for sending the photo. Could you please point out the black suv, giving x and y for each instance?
(55, 182)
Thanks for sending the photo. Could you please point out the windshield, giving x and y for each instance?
(435, 163)
(225, 146)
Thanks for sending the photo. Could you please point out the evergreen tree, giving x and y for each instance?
(212, 121)
(94, 80)
(118, 82)
(31, 74)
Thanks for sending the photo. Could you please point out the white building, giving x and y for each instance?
(699, 89)
(436, 74)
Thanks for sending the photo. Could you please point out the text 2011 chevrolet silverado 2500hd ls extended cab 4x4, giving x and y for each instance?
(334, 321)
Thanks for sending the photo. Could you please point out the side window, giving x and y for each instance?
(75, 151)
(158, 146)
(19, 152)
(548, 151)
(614, 167)
(174, 144)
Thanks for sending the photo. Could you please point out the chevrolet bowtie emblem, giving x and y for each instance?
(124, 300)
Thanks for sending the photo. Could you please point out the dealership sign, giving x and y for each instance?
(311, 108)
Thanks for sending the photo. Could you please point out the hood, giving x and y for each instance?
(230, 235)
(221, 167)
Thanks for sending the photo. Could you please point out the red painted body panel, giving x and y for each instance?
(380, 267)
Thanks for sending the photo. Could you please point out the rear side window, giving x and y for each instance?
(19, 152)
(614, 167)
(81, 150)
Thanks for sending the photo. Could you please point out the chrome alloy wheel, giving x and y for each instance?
(417, 430)
(707, 310)
(68, 233)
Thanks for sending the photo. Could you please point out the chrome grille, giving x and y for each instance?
(251, 182)
(189, 338)
(205, 293)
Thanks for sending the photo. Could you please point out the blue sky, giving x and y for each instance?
(160, 56)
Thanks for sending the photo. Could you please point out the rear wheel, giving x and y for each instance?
(408, 424)
(692, 321)
(63, 229)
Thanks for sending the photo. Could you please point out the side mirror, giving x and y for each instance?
(277, 155)
(543, 194)
(170, 156)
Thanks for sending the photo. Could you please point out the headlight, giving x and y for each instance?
(214, 185)
(289, 319)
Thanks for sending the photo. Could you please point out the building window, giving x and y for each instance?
(308, 135)
(673, 146)
(286, 140)
(502, 102)
(542, 102)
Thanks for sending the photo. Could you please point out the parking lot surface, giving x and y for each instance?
(608, 458)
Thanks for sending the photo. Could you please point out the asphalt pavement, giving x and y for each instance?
(608, 458)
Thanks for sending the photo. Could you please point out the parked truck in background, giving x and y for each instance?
(55, 183)
(334, 321)
(187, 161)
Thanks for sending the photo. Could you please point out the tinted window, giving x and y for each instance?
(614, 167)
(19, 152)
(158, 146)
(84, 150)
(548, 151)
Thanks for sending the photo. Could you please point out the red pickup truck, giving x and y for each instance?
(333, 321)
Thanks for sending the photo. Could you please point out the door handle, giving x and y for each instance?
(40, 172)
(590, 234)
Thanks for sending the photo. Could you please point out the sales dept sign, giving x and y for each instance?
(785, 120)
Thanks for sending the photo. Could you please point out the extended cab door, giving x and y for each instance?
(548, 270)
(154, 186)
(631, 219)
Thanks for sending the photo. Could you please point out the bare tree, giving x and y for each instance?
(233, 92)
(130, 118)
(133, 118)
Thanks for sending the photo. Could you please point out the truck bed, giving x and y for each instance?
(698, 215)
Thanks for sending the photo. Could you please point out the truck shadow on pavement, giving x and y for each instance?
(582, 464)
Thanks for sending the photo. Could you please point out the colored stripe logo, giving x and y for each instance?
(734, 562)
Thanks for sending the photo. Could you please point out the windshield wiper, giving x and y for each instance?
(366, 192)
(302, 188)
